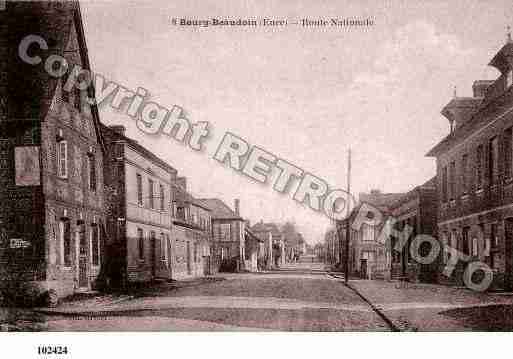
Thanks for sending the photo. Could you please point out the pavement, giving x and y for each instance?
(298, 297)
(430, 307)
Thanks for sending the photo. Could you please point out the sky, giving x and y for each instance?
(305, 95)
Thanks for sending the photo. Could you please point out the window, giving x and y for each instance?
(162, 197)
(95, 244)
(494, 237)
(65, 234)
(509, 78)
(92, 173)
(139, 190)
(452, 180)
(195, 252)
(493, 160)
(367, 232)
(446, 249)
(507, 152)
(77, 98)
(62, 159)
(479, 167)
(464, 168)
(475, 246)
(150, 194)
(140, 243)
(444, 184)
(163, 247)
(465, 240)
(222, 232)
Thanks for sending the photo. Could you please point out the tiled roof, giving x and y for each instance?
(219, 209)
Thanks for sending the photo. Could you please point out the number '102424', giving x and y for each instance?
(48, 350)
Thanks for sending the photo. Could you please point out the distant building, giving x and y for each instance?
(52, 218)
(228, 234)
(276, 253)
(367, 256)
(475, 177)
(191, 234)
(138, 187)
(418, 210)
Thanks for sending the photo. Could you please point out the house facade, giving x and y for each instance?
(368, 258)
(191, 235)
(474, 176)
(418, 210)
(52, 221)
(228, 234)
(138, 187)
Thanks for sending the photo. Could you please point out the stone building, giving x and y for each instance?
(52, 219)
(191, 235)
(474, 175)
(139, 193)
(417, 209)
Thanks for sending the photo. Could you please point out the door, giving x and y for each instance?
(153, 246)
(83, 281)
(363, 268)
(508, 242)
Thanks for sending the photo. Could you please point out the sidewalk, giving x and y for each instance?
(104, 302)
(430, 307)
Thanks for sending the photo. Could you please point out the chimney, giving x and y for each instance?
(182, 182)
(479, 87)
(118, 129)
(237, 206)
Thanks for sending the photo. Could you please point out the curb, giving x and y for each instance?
(376, 309)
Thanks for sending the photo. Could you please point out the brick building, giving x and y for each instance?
(51, 183)
(417, 209)
(139, 193)
(474, 174)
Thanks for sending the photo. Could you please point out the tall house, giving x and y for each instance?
(474, 174)
(138, 188)
(52, 221)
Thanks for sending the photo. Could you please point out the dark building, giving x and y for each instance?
(474, 175)
(139, 190)
(418, 210)
(51, 180)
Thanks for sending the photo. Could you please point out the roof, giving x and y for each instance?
(138, 147)
(266, 227)
(252, 235)
(219, 209)
(53, 21)
(484, 113)
(428, 185)
(379, 200)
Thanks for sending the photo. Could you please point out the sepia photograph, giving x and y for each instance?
(255, 166)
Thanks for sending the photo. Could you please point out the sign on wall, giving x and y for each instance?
(26, 160)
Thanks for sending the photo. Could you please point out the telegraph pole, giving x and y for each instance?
(348, 229)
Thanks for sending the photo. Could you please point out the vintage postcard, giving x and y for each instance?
(283, 166)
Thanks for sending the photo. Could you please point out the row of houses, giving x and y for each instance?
(82, 205)
(467, 206)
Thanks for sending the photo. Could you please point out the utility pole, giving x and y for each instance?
(348, 227)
